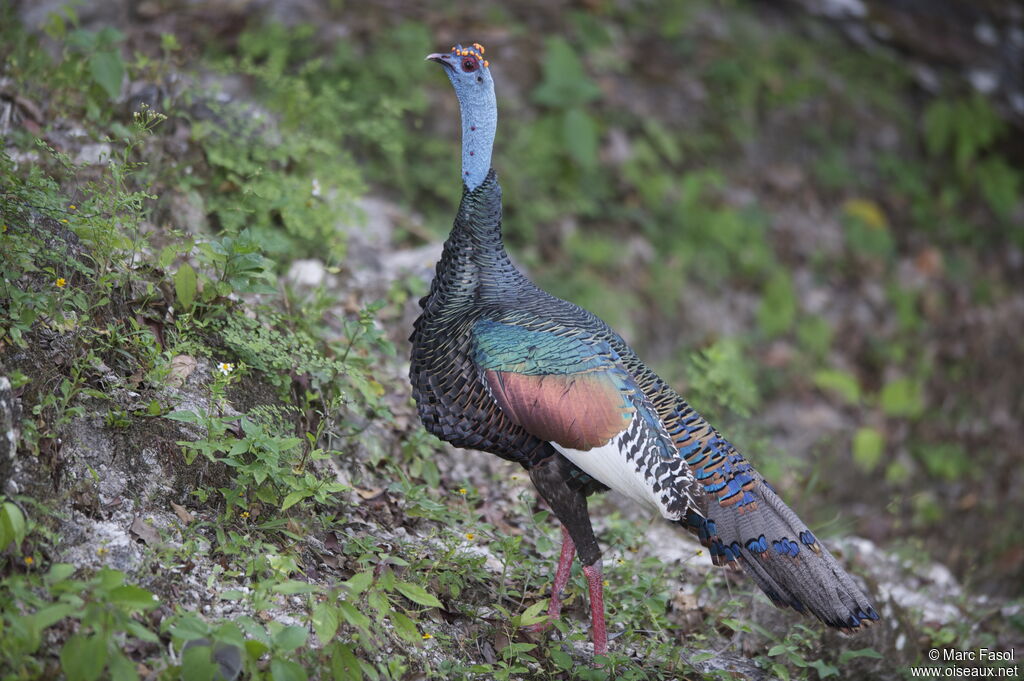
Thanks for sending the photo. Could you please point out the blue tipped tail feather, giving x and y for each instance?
(784, 557)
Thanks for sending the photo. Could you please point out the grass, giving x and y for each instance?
(273, 409)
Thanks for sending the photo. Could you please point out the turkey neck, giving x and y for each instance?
(475, 269)
(479, 113)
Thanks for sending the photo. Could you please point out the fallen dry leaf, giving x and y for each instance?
(144, 531)
(182, 367)
(182, 513)
(369, 493)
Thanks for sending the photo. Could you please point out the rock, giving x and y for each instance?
(9, 419)
(927, 590)
(732, 664)
(307, 273)
(93, 154)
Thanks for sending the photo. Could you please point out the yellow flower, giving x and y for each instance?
(605, 582)
(427, 637)
(29, 560)
(72, 207)
(61, 282)
(867, 211)
(245, 514)
(102, 551)
(470, 536)
(462, 490)
(64, 220)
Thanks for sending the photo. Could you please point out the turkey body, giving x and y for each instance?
(477, 289)
(499, 365)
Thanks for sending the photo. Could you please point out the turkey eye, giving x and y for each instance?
(469, 65)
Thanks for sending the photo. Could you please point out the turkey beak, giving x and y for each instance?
(444, 60)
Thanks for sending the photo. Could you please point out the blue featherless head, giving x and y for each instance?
(467, 70)
(470, 74)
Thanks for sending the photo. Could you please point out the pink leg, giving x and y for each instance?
(596, 584)
(561, 579)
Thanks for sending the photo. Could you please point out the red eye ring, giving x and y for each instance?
(469, 64)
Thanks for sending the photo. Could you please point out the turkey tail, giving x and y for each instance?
(784, 558)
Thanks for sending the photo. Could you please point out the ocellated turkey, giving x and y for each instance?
(499, 365)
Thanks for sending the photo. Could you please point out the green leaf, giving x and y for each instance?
(405, 628)
(736, 625)
(290, 638)
(133, 598)
(253, 629)
(902, 397)
(868, 444)
(778, 305)
(514, 649)
(229, 632)
(12, 525)
(839, 382)
(121, 668)
(83, 657)
(999, 184)
(532, 615)
(294, 498)
(197, 664)
(140, 632)
(353, 616)
(564, 83)
(255, 649)
(50, 615)
(183, 415)
(825, 670)
(417, 594)
(286, 670)
(109, 578)
(359, 583)
(325, 621)
(189, 627)
(848, 655)
(562, 659)
(345, 664)
(107, 70)
(938, 126)
(581, 137)
(292, 587)
(185, 285)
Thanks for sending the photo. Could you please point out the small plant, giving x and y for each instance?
(721, 378)
(103, 610)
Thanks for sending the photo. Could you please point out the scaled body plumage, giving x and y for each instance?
(501, 366)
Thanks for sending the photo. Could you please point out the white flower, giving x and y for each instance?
(226, 367)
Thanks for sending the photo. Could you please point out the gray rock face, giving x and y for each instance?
(9, 416)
